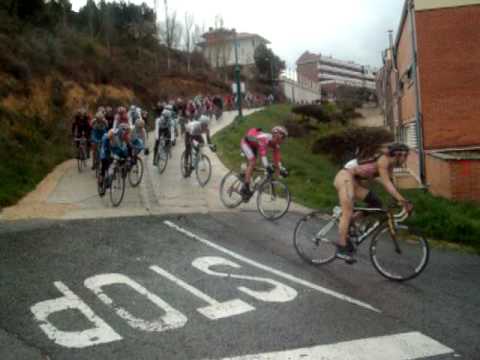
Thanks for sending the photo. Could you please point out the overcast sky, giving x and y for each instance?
(353, 30)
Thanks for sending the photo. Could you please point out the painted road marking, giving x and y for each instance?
(99, 334)
(406, 346)
(279, 293)
(172, 319)
(215, 310)
(271, 270)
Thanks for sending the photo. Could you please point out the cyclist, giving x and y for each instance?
(134, 114)
(193, 132)
(121, 118)
(257, 142)
(138, 137)
(115, 141)
(99, 128)
(109, 116)
(350, 185)
(164, 126)
(81, 126)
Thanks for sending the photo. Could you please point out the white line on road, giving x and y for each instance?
(407, 346)
(271, 270)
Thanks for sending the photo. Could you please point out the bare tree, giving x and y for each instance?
(172, 32)
(189, 38)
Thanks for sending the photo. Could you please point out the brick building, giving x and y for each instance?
(430, 86)
(330, 72)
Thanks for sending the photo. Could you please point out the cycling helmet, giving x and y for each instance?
(140, 124)
(203, 120)
(397, 147)
(124, 126)
(280, 130)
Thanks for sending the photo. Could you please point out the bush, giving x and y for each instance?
(351, 142)
(315, 111)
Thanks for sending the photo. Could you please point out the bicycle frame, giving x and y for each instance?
(388, 216)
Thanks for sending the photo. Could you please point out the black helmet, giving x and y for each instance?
(397, 147)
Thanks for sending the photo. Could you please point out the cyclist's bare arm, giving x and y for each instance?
(385, 179)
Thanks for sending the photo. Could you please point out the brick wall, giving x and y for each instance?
(449, 67)
(454, 179)
(309, 71)
(464, 177)
(438, 176)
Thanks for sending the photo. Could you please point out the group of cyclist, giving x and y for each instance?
(121, 131)
(110, 132)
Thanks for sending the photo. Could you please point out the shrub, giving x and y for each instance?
(315, 111)
(360, 142)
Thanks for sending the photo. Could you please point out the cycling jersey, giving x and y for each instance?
(256, 141)
(194, 128)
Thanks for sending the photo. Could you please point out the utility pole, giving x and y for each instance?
(237, 76)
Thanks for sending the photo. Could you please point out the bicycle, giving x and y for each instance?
(197, 161)
(164, 152)
(396, 252)
(116, 180)
(81, 153)
(273, 196)
(135, 168)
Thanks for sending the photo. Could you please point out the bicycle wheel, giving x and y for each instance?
(273, 199)
(135, 174)
(203, 170)
(186, 168)
(161, 157)
(230, 188)
(117, 187)
(400, 263)
(81, 159)
(315, 238)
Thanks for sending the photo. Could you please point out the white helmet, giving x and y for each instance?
(203, 120)
(124, 126)
(280, 130)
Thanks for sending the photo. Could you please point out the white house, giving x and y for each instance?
(218, 47)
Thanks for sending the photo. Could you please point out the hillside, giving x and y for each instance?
(53, 61)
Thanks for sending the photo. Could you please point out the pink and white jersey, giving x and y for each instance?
(261, 142)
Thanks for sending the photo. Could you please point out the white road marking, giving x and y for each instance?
(271, 270)
(101, 333)
(216, 310)
(406, 346)
(172, 319)
(279, 293)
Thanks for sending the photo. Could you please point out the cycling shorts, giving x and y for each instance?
(250, 153)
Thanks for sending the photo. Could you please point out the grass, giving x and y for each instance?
(29, 150)
(311, 182)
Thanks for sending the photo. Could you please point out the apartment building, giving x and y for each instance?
(218, 47)
(430, 86)
(331, 72)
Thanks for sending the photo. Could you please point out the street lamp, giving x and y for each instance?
(237, 75)
(270, 60)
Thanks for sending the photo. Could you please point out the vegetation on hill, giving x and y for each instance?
(54, 60)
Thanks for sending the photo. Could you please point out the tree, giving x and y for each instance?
(189, 38)
(171, 32)
(269, 66)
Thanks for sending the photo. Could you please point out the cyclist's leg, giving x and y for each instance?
(252, 159)
(344, 183)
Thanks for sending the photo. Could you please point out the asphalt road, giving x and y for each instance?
(219, 286)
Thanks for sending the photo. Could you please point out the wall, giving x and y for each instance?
(454, 179)
(309, 70)
(449, 68)
(298, 93)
